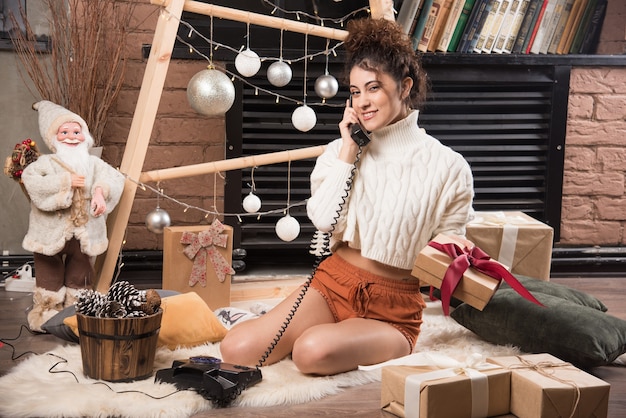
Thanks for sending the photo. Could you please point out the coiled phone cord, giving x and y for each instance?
(323, 253)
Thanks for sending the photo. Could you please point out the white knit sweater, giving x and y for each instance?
(407, 189)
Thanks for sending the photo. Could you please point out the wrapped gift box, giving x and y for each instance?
(518, 241)
(448, 397)
(178, 267)
(543, 386)
(475, 288)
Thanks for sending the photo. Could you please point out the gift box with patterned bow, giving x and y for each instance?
(199, 259)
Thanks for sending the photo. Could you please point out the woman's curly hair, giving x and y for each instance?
(381, 45)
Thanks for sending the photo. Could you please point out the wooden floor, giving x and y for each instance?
(362, 401)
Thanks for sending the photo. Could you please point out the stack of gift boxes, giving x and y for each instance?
(528, 386)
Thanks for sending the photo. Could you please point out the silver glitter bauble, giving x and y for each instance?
(247, 62)
(251, 203)
(304, 118)
(157, 220)
(279, 74)
(287, 228)
(326, 86)
(210, 92)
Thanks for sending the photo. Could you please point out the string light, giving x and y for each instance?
(256, 88)
(321, 20)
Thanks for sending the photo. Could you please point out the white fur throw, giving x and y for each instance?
(29, 389)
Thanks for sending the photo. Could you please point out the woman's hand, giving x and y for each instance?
(349, 148)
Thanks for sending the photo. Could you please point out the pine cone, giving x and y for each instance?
(152, 302)
(126, 294)
(113, 309)
(89, 302)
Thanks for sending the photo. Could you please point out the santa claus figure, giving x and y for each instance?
(71, 192)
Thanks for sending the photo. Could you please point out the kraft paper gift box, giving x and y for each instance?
(543, 386)
(404, 394)
(201, 263)
(475, 288)
(517, 240)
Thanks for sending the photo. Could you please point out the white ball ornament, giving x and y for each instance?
(287, 228)
(210, 92)
(304, 118)
(326, 86)
(157, 220)
(251, 203)
(279, 74)
(247, 62)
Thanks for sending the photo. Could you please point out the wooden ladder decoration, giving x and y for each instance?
(148, 102)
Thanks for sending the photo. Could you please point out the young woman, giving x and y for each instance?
(363, 305)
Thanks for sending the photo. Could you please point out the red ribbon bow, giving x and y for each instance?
(201, 246)
(464, 258)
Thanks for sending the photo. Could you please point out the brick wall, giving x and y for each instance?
(594, 191)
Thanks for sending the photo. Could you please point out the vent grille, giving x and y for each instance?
(502, 119)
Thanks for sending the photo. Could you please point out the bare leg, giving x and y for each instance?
(247, 342)
(339, 347)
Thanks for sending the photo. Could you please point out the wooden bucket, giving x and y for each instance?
(118, 349)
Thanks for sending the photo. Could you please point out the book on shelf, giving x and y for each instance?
(424, 14)
(486, 27)
(496, 26)
(450, 24)
(507, 26)
(515, 27)
(592, 36)
(583, 27)
(429, 27)
(552, 25)
(407, 14)
(570, 27)
(440, 22)
(461, 24)
(474, 25)
(542, 30)
(560, 27)
(535, 27)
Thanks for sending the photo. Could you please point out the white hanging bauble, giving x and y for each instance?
(326, 86)
(279, 74)
(247, 62)
(304, 118)
(157, 220)
(287, 228)
(251, 203)
(210, 92)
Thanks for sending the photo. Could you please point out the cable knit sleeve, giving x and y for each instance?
(328, 189)
(460, 194)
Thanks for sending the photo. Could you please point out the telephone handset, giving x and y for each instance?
(358, 134)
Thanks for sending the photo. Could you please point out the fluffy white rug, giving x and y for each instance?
(39, 386)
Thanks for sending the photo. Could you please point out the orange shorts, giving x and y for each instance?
(352, 292)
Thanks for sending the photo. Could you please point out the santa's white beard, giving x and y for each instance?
(77, 157)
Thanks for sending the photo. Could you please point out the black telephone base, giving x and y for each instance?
(216, 381)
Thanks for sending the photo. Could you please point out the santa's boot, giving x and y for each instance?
(46, 304)
(71, 295)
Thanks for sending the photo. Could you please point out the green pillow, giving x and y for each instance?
(581, 335)
(558, 290)
(537, 286)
